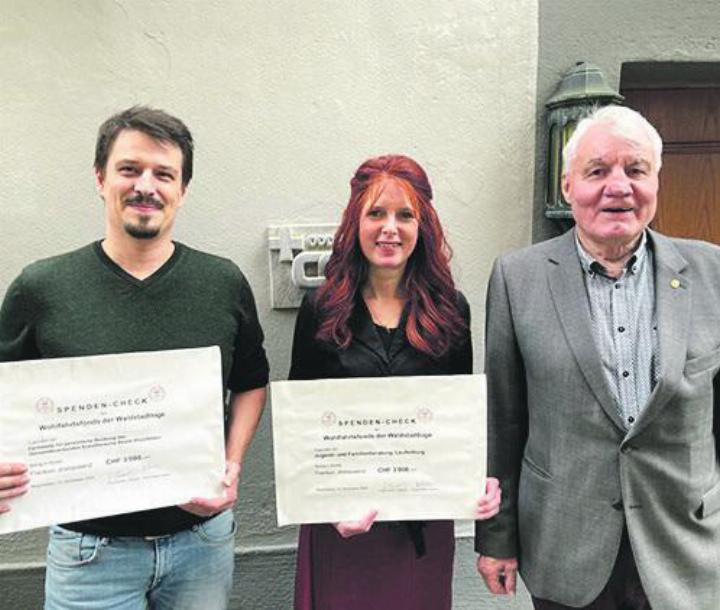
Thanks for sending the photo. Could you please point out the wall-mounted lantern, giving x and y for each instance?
(580, 90)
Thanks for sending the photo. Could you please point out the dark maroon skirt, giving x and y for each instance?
(376, 570)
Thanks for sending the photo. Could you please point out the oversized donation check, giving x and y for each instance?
(410, 447)
(111, 434)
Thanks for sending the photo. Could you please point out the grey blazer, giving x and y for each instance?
(571, 476)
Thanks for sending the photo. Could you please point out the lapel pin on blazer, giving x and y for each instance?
(674, 283)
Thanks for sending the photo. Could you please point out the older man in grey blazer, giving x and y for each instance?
(602, 354)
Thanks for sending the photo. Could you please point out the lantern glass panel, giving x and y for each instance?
(568, 130)
(553, 175)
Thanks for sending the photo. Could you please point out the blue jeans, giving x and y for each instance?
(190, 570)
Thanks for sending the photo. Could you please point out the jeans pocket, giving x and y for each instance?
(68, 549)
(220, 529)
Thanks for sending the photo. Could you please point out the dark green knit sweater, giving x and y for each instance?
(82, 303)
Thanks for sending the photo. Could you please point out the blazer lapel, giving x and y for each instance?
(672, 303)
(398, 342)
(567, 287)
(364, 331)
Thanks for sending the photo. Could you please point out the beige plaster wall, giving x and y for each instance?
(285, 99)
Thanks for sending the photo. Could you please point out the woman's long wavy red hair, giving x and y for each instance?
(434, 321)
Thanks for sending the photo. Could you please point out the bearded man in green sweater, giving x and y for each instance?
(138, 290)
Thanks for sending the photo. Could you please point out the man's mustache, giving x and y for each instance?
(144, 199)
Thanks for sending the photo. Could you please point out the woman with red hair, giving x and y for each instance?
(389, 307)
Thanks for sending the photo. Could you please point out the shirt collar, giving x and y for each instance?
(592, 266)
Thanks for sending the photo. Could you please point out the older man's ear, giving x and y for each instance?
(565, 187)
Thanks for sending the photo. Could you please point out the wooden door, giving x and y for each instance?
(689, 122)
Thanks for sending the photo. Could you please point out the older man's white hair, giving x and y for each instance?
(621, 121)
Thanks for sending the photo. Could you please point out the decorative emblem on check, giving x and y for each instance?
(156, 393)
(424, 415)
(44, 405)
(328, 418)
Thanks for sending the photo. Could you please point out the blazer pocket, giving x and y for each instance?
(702, 363)
(710, 502)
(535, 469)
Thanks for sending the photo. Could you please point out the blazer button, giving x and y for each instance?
(618, 505)
(627, 449)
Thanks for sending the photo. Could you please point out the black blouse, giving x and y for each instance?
(366, 355)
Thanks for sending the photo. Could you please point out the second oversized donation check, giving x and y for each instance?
(111, 434)
(410, 447)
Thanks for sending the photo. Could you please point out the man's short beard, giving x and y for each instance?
(141, 232)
